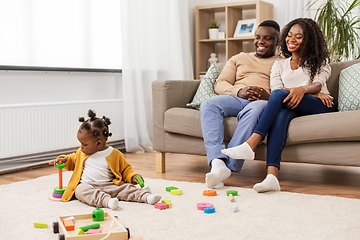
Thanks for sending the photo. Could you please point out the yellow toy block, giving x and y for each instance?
(79, 231)
(176, 192)
(40, 225)
(168, 202)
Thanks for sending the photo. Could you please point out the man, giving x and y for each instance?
(244, 88)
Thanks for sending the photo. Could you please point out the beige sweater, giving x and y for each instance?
(243, 70)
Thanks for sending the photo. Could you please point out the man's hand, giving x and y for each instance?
(295, 96)
(252, 93)
(326, 100)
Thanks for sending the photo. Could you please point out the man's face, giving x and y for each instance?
(265, 41)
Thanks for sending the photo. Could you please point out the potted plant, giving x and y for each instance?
(213, 29)
(340, 27)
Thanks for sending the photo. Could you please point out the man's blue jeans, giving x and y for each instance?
(275, 120)
(214, 110)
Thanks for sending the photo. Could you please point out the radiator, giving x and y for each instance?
(36, 128)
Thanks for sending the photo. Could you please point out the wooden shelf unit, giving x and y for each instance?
(228, 15)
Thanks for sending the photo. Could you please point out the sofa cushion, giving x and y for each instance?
(187, 122)
(206, 87)
(349, 88)
(327, 127)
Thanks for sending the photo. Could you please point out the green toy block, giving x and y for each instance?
(40, 225)
(168, 202)
(91, 226)
(57, 190)
(141, 182)
(60, 166)
(79, 231)
(232, 192)
(168, 189)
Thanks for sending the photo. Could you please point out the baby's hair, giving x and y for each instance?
(95, 126)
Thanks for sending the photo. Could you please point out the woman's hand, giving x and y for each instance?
(60, 159)
(326, 100)
(295, 96)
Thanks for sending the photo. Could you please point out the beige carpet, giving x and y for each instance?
(280, 215)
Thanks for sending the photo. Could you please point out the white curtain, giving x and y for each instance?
(297, 9)
(156, 45)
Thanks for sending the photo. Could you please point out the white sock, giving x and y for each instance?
(153, 198)
(242, 151)
(218, 174)
(113, 203)
(270, 183)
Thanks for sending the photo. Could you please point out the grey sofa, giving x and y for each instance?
(331, 139)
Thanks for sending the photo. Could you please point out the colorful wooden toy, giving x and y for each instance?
(70, 218)
(91, 226)
(209, 193)
(232, 192)
(161, 206)
(40, 225)
(98, 215)
(111, 228)
(59, 190)
(140, 181)
(209, 210)
(79, 232)
(176, 192)
(147, 188)
(69, 225)
(93, 231)
(202, 206)
(232, 199)
(168, 202)
(234, 208)
(168, 189)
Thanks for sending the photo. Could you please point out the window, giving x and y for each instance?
(61, 33)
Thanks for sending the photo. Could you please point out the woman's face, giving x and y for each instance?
(294, 39)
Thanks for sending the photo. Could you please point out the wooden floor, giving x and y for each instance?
(300, 178)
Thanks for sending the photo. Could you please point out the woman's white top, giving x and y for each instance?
(282, 76)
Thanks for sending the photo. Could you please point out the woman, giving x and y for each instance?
(298, 85)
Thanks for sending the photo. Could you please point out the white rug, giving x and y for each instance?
(279, 215)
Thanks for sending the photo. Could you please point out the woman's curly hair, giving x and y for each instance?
(95, 126)
(314, 52)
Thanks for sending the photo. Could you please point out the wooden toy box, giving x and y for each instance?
(119, 232)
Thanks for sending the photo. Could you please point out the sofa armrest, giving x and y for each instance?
(167, 94)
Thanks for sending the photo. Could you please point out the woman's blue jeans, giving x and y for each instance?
(275, 119)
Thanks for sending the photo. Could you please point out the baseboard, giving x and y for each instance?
(35, 160)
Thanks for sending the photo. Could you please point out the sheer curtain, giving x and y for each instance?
(297, 9)
(156, 45)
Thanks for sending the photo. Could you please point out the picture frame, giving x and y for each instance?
(245, 28)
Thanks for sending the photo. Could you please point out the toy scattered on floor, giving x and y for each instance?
(209, 193)
(40, 225)
(209, 210)
(176, 192)
(161, 206)
(232, 192)
(232, 199)
(234, 208)
(98, 215)
(59, 190)
(168, 189)
(168, 202)
(202, 206)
